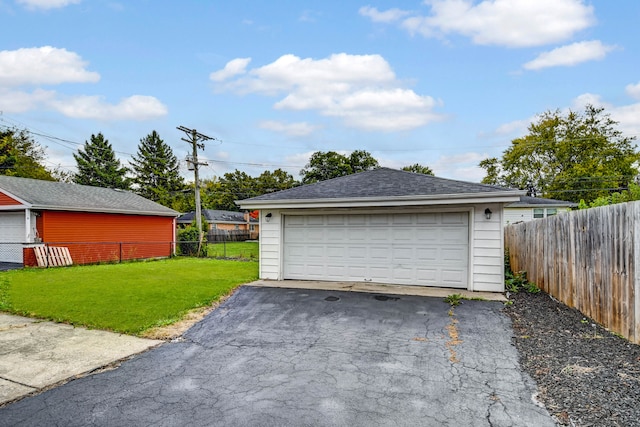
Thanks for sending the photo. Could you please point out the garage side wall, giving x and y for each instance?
(97, 237)
(488, 249)
(270, 238)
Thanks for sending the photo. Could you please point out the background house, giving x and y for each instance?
(96, 224)
(228, 225)
(385, 226)
(529, 208)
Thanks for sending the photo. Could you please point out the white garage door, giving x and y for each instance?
(424, 249)
(12, 231)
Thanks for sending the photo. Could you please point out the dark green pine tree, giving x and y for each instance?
(98, 166)
(156, 171)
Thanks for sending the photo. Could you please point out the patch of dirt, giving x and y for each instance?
(175, 330)
(586, 376)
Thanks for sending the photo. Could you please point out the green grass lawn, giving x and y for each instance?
(128, 298)
(245, 250)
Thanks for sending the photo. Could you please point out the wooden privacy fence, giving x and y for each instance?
(588, 259)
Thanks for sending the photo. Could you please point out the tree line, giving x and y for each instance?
(575, 156)
(154, 171)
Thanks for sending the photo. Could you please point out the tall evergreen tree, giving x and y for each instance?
(98, 165)
(156, 171)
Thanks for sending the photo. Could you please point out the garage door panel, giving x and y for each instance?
(427, 274)
(427, 218)
(401, 219)
(403, 273)
(315, 252)
(426, 255)
(379, 254)
(403, 255)
(458, 218)
(335, 236)
(402, 234)
(336, 252)
(357, 220)
(379, 219)
(426, 249)
(357, 234)
(335, 220)
(453, 254)
(381, 234)
(297, 220)
(453, 277)
(314, 234)
(356, 253)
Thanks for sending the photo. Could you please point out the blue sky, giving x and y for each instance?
(443, 83)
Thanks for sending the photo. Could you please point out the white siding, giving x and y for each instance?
(514, 215)
(270, 245)
(488, 250)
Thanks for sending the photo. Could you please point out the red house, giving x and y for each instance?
(96, 224)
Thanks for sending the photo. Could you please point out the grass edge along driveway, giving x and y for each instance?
(128, 298)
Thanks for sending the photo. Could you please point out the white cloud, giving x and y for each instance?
(463, 166)
(309, 16)
(291, 129)
(53, 66)
(516, 126)
(581, 101)
(136, 107)
(512, 23)
(233, 68)
(47, 4)
(570, 55)
(362, 90)
(390, 15)
(20, 102)
(43, 65)
(633, 90)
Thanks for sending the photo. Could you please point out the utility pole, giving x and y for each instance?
(196, 139)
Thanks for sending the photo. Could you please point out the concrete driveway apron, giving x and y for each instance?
(295, 357)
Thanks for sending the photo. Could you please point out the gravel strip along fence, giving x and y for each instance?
(586, 375)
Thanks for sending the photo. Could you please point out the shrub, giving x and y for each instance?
(514, 282)
(188, 242)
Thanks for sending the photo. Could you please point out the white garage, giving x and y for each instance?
(423, 249)
(385, 226)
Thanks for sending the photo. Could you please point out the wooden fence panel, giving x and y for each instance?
(588, 260)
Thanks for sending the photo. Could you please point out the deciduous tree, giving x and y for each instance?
(418, 168)
(21, 156)
(330, 164)
(569, 156)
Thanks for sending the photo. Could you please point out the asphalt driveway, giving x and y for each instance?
(294, 357)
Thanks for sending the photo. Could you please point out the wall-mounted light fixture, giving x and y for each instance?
(487, 213)
(268, 216)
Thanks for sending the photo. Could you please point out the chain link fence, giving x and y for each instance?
(16, 255)
(11, 255)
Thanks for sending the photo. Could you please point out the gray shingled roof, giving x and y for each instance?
(382, 182)
(214, 216)
(49, 195)
(528, 201)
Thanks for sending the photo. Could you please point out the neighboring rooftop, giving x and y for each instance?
(381, 182)
(213, 216)
(62, 196)
(528, 201)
